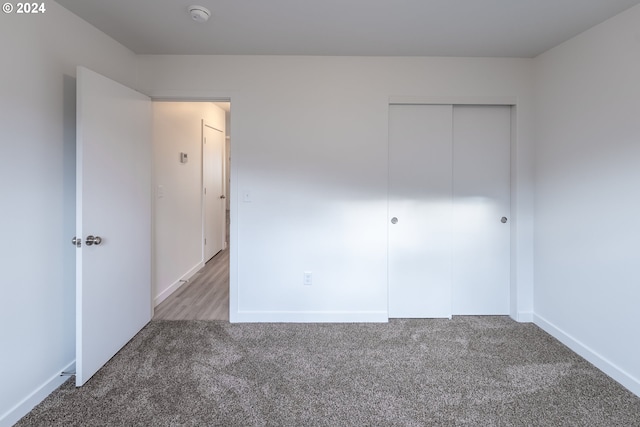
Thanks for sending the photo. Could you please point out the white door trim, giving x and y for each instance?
(232, 189)
(453, 100)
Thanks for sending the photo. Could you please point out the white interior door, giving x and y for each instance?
(113, 277)
(420, 210)
(214, 191)
(481, 194)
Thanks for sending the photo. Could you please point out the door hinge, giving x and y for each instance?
(205, 190)
(205, 241)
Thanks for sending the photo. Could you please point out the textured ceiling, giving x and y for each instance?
(494, 28)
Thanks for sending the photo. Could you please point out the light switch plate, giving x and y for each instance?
(307, 278)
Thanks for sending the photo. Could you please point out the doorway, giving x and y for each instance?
(191, 205)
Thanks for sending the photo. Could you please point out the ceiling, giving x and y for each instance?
(492, 28)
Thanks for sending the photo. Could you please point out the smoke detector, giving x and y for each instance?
(199, 13)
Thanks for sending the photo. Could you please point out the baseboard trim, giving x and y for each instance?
(38, 395)
(177, 284)
(309, 317)
(624, 378)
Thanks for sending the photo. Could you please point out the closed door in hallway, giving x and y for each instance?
(213, 188)
(449, 203)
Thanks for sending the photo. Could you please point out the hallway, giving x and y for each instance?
(204, 297)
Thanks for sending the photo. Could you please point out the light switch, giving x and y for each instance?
(246, 196)
(160, 191)
(307, 278)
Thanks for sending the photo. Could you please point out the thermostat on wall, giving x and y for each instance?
(183, 158)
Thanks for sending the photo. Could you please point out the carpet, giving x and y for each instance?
(468, 371)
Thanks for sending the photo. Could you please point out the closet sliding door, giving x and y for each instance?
(420, 210)
(448, 210)
(481, 202)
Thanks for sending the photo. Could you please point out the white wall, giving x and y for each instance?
(37, 186)
(310, 145)
(587, 231)
(178, 213)
(310, 137)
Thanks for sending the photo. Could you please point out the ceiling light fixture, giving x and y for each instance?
(199, 13)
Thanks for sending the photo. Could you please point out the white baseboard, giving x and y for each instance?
(625, 379)
(38, 395)
(176, 285)
(309, 317)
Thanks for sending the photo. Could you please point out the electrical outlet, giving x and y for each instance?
(307, 278)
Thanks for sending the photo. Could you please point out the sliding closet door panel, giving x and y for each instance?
(420, 210)
(481, 187)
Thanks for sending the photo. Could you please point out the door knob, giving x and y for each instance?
(93, 240)
(503, 219)
(76, 242)
(394, 220)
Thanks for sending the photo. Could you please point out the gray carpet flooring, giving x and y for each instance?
(469, 371)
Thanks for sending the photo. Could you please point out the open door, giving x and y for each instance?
(113, 209)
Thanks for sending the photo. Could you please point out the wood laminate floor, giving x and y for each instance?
(204, 297)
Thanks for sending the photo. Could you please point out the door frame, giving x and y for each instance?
(517, 295)
(231, 188)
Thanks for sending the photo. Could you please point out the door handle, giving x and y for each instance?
(503, 220)
(93, 240)
(223, 197)
(76, 242)
(394, 220)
